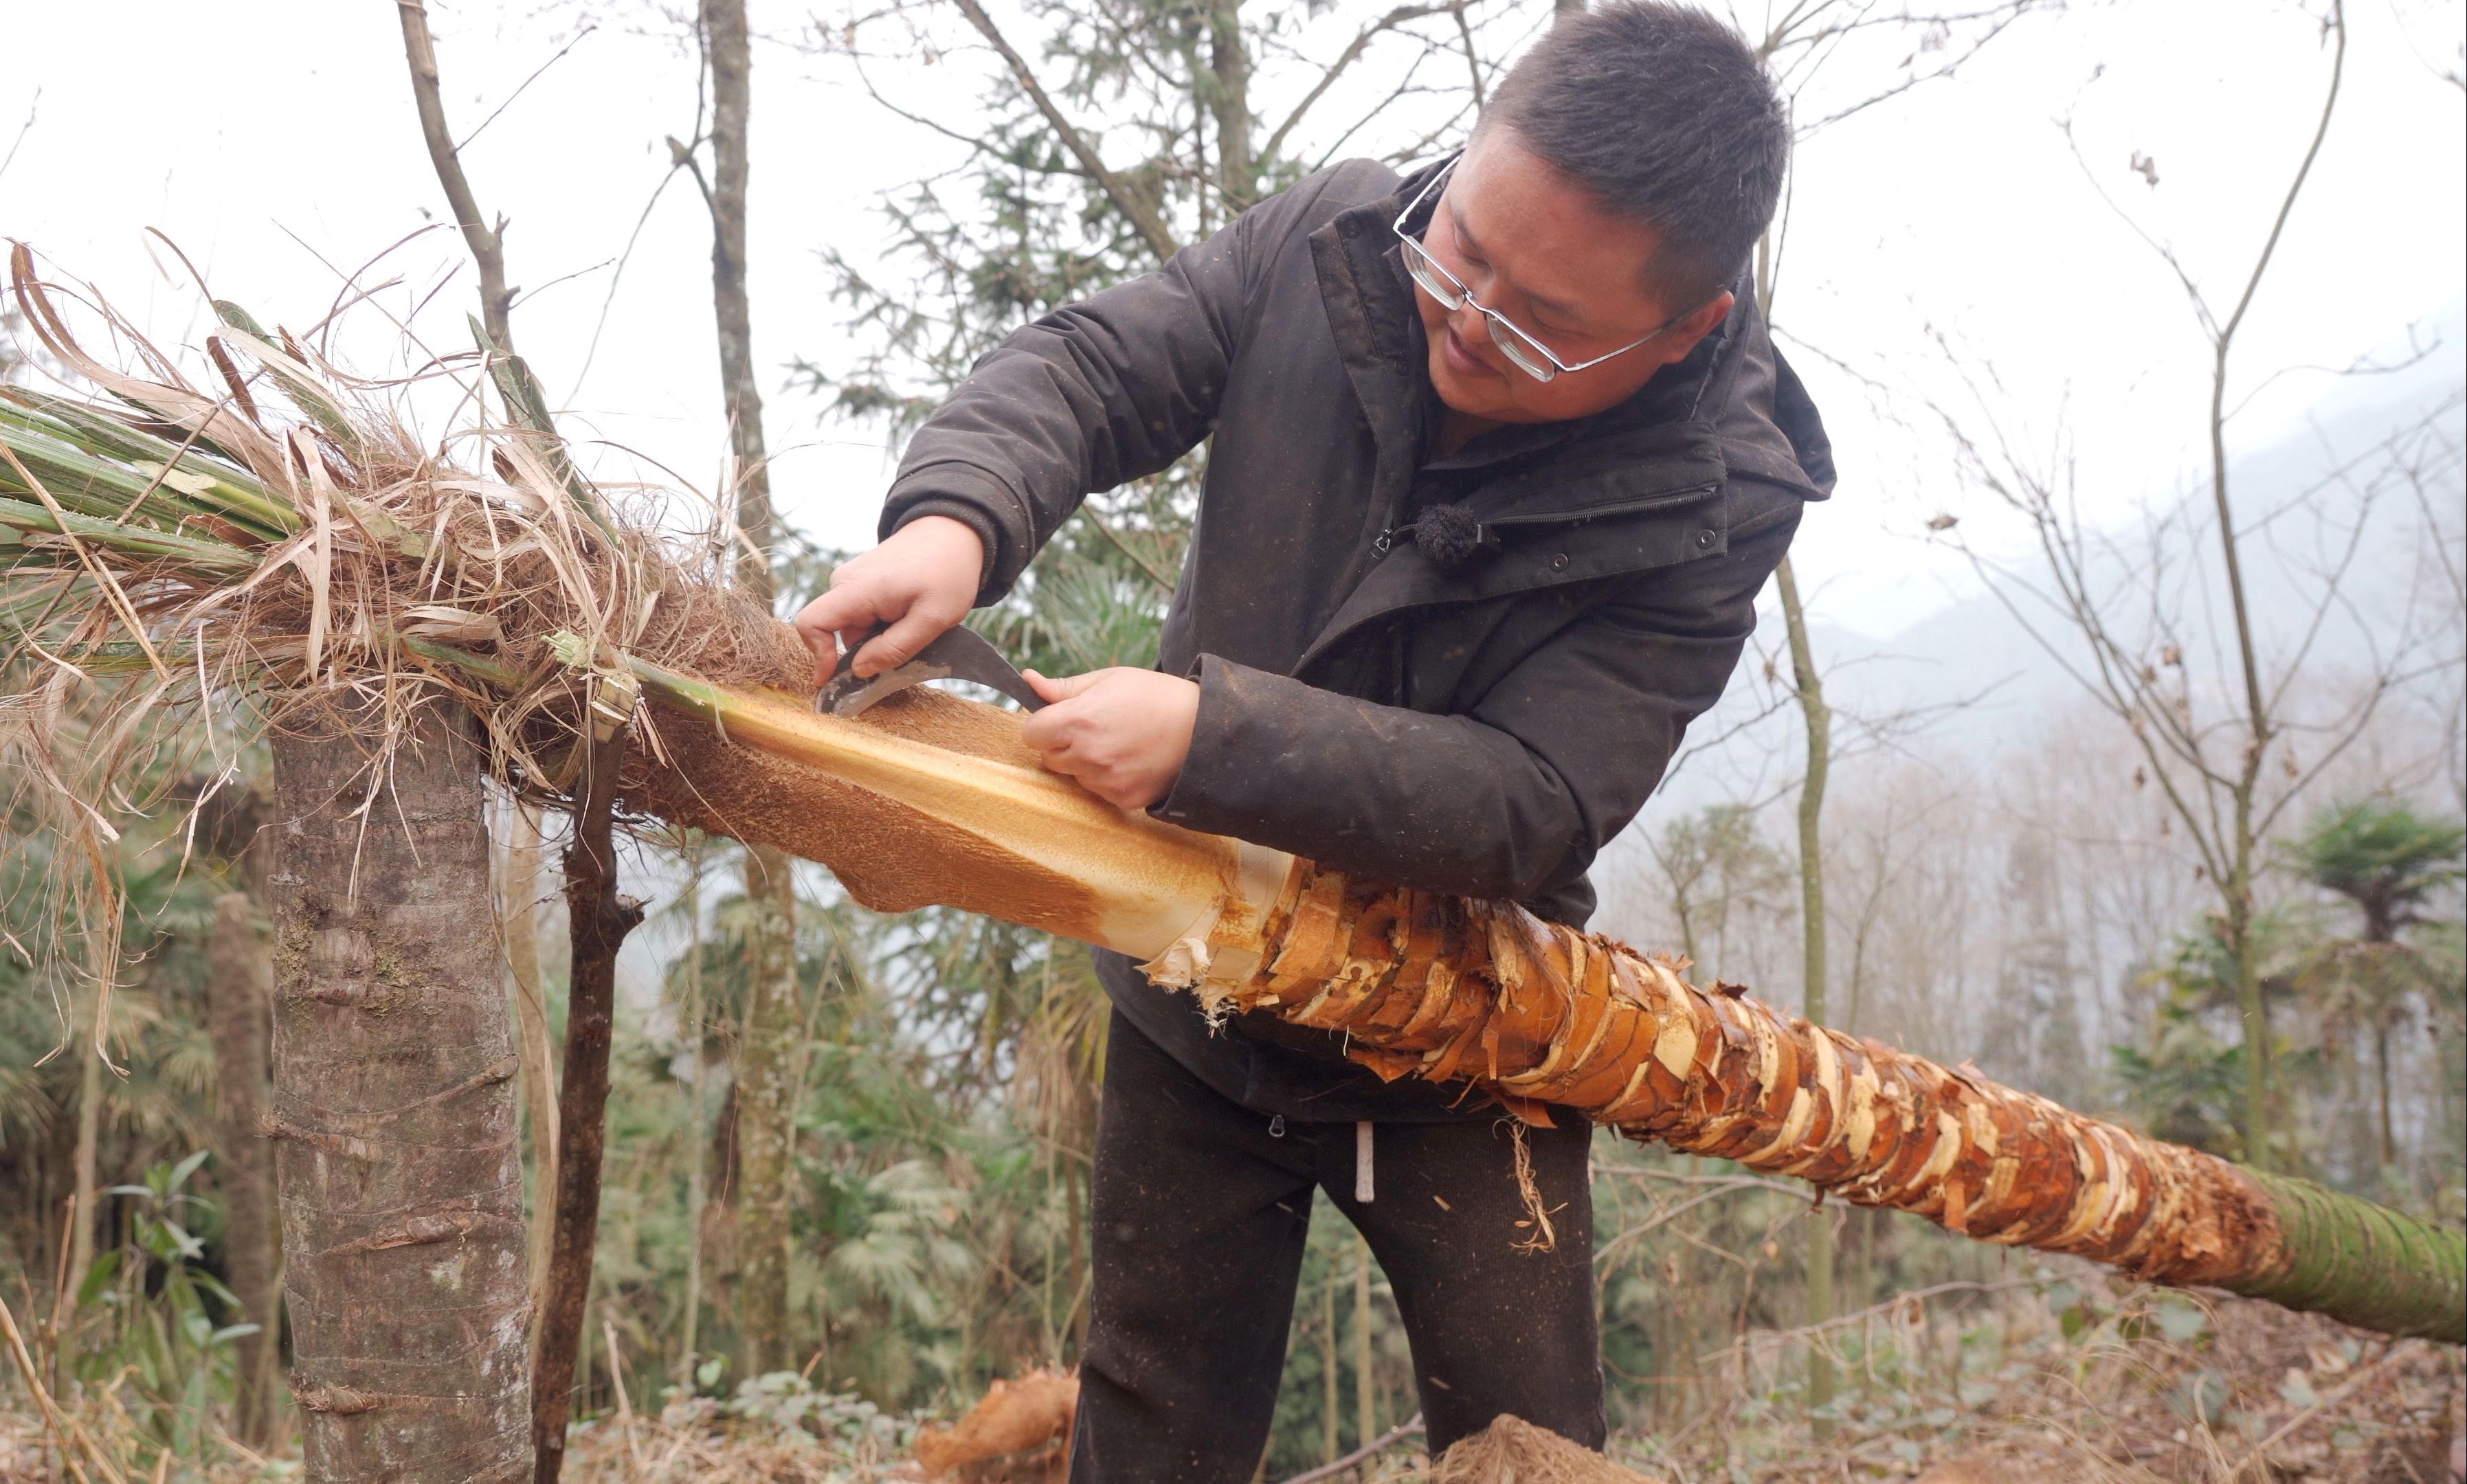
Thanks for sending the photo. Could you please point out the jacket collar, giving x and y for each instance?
(1664, 436)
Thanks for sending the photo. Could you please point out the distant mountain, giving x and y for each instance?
(2294, 499)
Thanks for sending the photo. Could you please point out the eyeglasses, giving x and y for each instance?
(1522, 349)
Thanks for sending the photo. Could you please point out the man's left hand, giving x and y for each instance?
(1123, 732)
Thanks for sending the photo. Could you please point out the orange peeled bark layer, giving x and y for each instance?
(1543, 1016)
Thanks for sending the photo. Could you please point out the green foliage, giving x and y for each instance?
(787, 1401)
(933, 1228)
(2399, 869)
(2185, 1085)
(146, 1313)
(1176, 97)
(2392, 864)
(155, 1108)
(1322, 1328)
(2390, 872)
(2384, 857)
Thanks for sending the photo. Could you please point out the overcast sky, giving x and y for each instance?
(275, 141)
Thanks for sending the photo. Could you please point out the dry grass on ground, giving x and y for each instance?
(2117, 1386)
(2099, 1383)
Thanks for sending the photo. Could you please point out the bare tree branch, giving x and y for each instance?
(1273, 148)
(23, 130)
(486, 243)
(1472, 56)
(1135, 209)
(536, 72)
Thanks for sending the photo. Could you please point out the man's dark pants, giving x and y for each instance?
(1200, 1208)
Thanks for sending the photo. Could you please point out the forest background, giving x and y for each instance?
(1982, 272)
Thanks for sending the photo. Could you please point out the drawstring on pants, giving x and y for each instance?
(1364, 1193)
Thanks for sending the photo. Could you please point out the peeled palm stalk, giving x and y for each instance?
(1535, 1015)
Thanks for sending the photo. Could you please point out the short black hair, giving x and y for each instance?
(1665, 114)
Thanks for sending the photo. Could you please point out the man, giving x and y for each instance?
(1501, 456)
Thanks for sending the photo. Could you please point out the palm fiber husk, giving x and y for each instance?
(1019, 1432)
(1512, 1450)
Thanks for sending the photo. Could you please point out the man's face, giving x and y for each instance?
(1534, 246)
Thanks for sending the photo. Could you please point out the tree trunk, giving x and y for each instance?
(1365, 1398)
(732, 96)
(1228, 103)
(2254, 1013)
(766, 1115)
(766, 1119)
(394, 1112)
(1331, 1447)
(1676, 1340)
(1819, 717)
(518, 892)
(2260, 721)
(598, 921)
(2382, 1070)
(697, 1139)
(239, 975)
(486, 242)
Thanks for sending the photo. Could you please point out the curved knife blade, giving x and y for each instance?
(959, 654)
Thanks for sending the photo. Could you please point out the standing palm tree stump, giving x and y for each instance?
(394, 1113)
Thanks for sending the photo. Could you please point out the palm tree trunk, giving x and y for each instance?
(239, 971)
(1539, 1016)
(1547, 1017)
(2382, 1070)
(393, 1114)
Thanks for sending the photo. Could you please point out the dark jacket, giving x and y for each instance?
(1483, 729)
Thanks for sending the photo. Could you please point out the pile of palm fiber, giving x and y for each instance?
(1512, 1450)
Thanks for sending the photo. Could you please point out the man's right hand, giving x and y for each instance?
(920, 581)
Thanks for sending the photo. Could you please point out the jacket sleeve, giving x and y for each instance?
(1109, 389)
(1516, 795)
